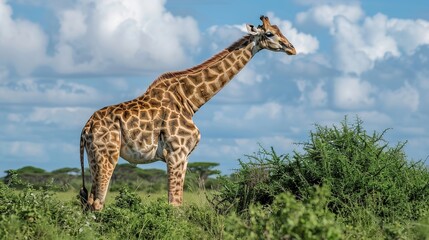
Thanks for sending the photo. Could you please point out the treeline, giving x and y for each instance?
(199, 176)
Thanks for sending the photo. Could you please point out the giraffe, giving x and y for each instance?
(158, 125)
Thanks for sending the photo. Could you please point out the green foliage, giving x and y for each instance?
(36, 214)
(30, 169)
(259, 180)
(207, 219)
(152, 221)
(66, 170)
(373, 186)
(127, 199)
(362, 171)
(59, 180)
(287, 218)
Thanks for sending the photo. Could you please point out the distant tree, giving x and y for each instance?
(26, 175)
(67, 170)
(125, 173)
(152, 174)
(30, 169)
(203, 171)
(136, 178)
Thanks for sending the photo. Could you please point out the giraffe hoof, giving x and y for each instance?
(97, 205)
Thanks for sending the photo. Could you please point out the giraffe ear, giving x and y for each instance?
(251, 29)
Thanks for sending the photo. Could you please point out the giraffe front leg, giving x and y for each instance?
(176, 155)
(176, 168)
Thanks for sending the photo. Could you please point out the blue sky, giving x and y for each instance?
(62, 60)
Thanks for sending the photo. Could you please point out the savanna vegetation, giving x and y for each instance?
(346, 183)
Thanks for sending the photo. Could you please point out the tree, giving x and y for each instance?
(203, 170)
(26, 175)
(30, 169)
(67, 170)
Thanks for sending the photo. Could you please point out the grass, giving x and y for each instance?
(42, 214)
(189, 198)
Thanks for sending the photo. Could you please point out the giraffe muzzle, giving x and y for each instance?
(289, 49)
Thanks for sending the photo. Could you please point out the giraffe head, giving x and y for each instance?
(267, 36)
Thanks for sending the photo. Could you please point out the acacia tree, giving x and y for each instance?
(203, 170)
(23, 176)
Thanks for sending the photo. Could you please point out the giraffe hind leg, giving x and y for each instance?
(101, 173)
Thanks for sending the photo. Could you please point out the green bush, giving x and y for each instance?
(37, 214)
(128, 218)
(362, 171)
(287, 218)
(373, 185)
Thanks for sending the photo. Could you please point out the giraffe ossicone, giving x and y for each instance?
(158, 126)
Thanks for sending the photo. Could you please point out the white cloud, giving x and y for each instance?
(318, 96)
(409, 34)
(325, 15)
(378, 41)
(373, 120)
(315, 96)
(23, 149)
(237, 147)
(99, 37)
(223, 36)
(303, 43)
(73, 25)
(249, 76)
(4, 74)
(351, 58)
(123, 34)
(405, 98)
(362, 40)
(358, 47)
(66, 117)
(31, 91)
(321, 2)
(280, 143)
(270, 110)
(353, 93)
(22, 43)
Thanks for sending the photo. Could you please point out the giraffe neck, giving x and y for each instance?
(200, 83)
(220, 72)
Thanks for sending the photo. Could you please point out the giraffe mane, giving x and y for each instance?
(237, 44)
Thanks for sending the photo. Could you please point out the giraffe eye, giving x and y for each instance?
(269, 34)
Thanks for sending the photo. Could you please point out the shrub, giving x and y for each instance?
(128, 219)
(37, 214)
(127, 199)
(207, 219)
(287, 218)
(367, 177)
(363, 171)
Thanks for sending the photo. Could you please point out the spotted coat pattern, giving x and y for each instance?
(158, 125)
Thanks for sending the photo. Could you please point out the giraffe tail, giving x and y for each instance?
(83, 191)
